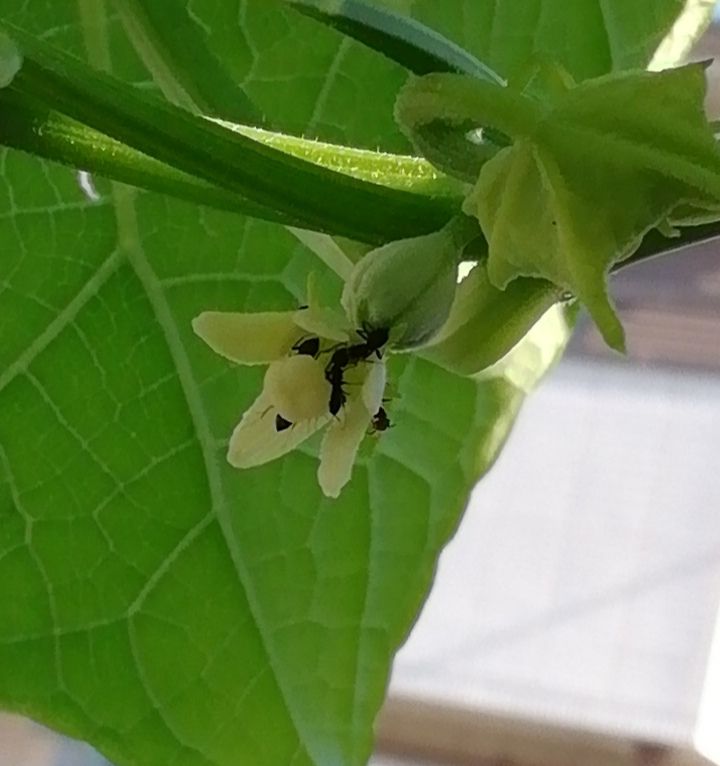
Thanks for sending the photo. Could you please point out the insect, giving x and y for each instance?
(380, 421)
(281, 424)
(347, 356)
(308, 347)
(334, 373)
(373, 339)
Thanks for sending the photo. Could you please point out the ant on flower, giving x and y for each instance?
(380, 421)
(342, 357)
(348, 356)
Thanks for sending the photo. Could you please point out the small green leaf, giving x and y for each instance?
(612, 160)
(537, 226)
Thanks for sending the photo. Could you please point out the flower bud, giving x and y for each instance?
(486, 323)
(407, 286)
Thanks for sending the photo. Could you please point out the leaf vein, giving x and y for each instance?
(62, 320)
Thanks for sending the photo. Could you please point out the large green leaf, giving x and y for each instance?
(153, 600)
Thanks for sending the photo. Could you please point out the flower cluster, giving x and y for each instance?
(326, 369)
(320, 374)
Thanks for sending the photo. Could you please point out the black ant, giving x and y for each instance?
(334, 375)
(374, 339)
(308, 347)
(342, 358)
(380, 421)
(281, 424)
(348, 356)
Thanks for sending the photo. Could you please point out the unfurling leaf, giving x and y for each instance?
(590, 172)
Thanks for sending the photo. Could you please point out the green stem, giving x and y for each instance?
(30, 127)
(299, 190)
(395, 171)
(655, 244)
(170, 151)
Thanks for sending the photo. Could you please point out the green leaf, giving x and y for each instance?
(153, 600)
(183, 66)
(10, 60)
(592, 169)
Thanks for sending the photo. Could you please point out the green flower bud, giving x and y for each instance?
(408, 286)
(486, 323)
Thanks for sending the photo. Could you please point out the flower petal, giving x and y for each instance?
(373, 387)
(256, 440)
(298, 388)
(323, 322)
(258, 338)
(320, 321)
(339, 447)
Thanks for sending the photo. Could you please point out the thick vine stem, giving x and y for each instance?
(396, 171)
(305, 193)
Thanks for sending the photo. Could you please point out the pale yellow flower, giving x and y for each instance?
(296, 387)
